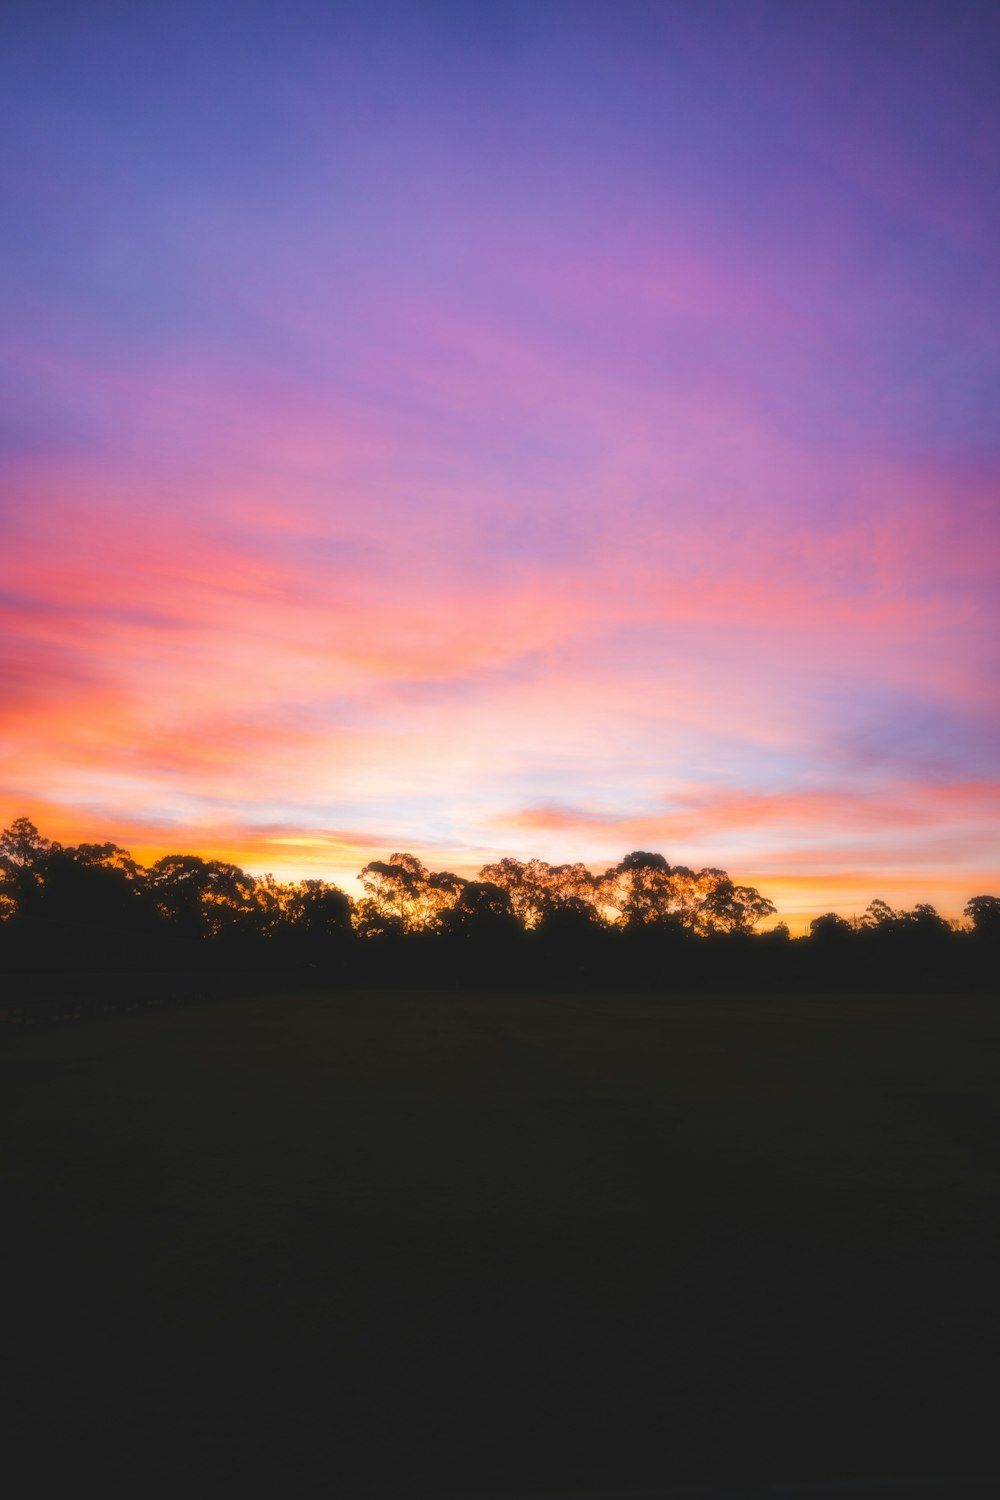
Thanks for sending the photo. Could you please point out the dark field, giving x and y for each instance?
(472, 1245)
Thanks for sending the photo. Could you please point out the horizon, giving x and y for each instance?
(546, 433)
(349, 880)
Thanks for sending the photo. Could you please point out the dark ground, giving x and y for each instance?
(447, 1245)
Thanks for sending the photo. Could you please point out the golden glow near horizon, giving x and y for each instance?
(798, 895)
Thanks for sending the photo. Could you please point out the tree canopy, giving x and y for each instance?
(95, 903)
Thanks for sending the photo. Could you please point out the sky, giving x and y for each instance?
(546, 429)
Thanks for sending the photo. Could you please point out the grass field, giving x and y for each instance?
(475, 1244)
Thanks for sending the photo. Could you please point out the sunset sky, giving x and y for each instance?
(539, 429)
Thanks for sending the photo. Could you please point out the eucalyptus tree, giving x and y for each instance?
(24, 854)
(984, 914)
(734, 909)
(403, 896)
(537, 888)
(202, 897)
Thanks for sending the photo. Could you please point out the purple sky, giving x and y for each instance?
(540, 429)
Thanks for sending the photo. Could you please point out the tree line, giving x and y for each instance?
(93, 907)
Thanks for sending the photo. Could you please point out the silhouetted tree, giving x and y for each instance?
(24, 854)
(735, 908)
(320, 910)
(95, 897)
(880, 917)
(483, 910)
(830, 928)
(570, 885)
(22, 847)
(984, 914)
(442, 893)
(527, 883)
(106, 857)
(643, 922)
(571, 920)
(925, 922)
(401, 895)
(203, 897)
(639, 890)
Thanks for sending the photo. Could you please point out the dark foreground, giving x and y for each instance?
(446, 1245)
